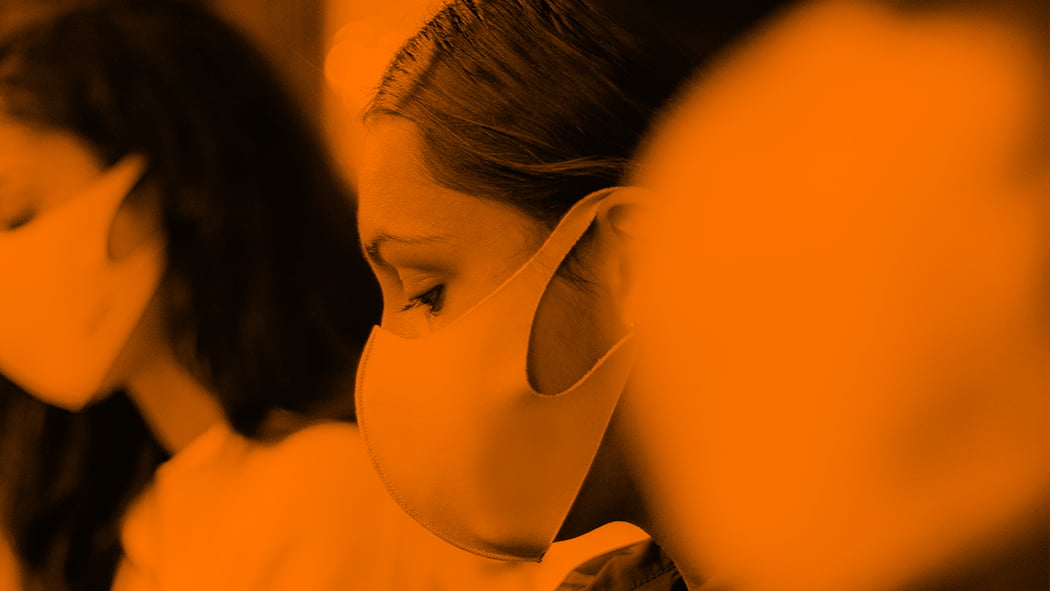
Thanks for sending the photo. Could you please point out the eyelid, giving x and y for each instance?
(17, 206)
(416, 282)
(18, 220)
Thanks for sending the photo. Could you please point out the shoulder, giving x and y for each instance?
(223, 466)
(260, 515)
(321, 470)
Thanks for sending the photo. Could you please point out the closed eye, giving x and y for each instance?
(19, 220)
(433, 300)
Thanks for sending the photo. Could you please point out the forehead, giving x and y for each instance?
(397, 197)
(26, 146)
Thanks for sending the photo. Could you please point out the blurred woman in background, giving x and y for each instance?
(181, 280)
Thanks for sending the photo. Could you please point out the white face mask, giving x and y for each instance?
(458, 434)
(66, 308)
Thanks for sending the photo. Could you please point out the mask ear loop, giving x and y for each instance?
(550, 257)
(121, 183)
(545, 265)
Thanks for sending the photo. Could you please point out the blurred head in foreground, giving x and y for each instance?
(843, 288)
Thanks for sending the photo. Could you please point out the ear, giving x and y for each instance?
(621, 225)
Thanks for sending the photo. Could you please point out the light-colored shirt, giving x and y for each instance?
(305, 514)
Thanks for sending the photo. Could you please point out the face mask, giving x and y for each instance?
(66, 308)
(458, 434)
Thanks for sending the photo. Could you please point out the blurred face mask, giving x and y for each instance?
(66, 307)
(458, 434)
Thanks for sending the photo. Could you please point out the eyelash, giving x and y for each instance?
(17, 221)
(432, 299)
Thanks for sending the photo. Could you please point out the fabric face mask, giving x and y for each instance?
(66, 308)
(460, 437)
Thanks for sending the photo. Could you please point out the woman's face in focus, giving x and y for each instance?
(437, 252)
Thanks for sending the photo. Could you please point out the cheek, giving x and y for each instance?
(567, 339)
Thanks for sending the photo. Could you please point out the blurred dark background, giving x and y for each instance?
(290, 31)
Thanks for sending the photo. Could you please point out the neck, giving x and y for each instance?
(657, 455)
(172, 402)
(609, 493)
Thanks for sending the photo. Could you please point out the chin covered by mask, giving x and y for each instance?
(67, 307)
(461, 438)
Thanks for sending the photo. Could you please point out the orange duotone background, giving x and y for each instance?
(850, 257)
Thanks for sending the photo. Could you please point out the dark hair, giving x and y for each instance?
(65, 481)
(532, 102)
(269, 298)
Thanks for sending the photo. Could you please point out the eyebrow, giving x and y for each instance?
(372, 247)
